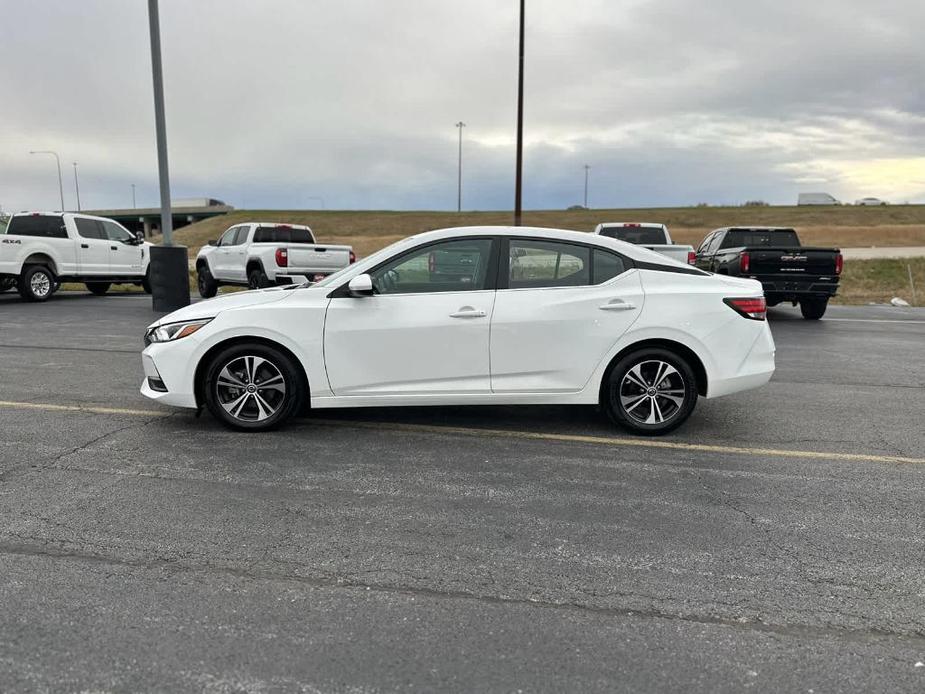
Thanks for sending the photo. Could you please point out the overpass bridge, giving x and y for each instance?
(148, 219)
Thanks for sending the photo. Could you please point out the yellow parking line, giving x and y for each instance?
(513, 434)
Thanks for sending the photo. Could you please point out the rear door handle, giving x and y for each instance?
(617, 305)
(468, 312)
(85, 245)
(114, 248)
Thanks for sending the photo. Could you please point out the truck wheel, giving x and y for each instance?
(6, 284)
(253, 387)
(650, 392)
(208, 287)
(98, 288)
(146, 282)
(36, 283)
(257, 279)
(813, 309)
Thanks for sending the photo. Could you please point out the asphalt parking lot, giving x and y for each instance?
(775, 542)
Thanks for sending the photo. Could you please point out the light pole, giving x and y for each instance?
(133, 197)
(460, 125)
(76, 186)
(518, 180)
(587, 169)
(58, 162)
(169, 267)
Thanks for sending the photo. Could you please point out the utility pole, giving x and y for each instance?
(169, 267)
(133, 197)
(58, 162)
(76, 186)
(518, 182)
(587, 169)
(459, 125)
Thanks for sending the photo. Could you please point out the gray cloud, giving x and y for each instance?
(278, 103)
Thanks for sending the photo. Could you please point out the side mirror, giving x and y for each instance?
(140, 237)
(213, 242)
(361, 285)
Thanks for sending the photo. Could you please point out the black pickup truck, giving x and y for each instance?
(773, 255)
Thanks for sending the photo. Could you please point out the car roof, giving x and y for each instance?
(754, 228)
(583, 237)
(647, 225)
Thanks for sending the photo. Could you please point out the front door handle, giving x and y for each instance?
(468, 312)
(617, 305)
(114, 248)
(85, 245)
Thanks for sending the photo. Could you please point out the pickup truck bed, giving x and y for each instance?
(651, 235)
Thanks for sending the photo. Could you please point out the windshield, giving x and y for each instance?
(637, 235)
(760, 237)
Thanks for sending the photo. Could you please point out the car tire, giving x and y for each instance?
(36, 283)
(257, 279)
(650, 391)
(813, 309)
(146, 282)
(208, 287)
(6, 284)
(253, 387)
(98, 288)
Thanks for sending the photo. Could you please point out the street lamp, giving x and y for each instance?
(518, 179)
(58, 162)
(133, 196)
(459, 125)
(77, 186)
(587, 169)
(169, 265)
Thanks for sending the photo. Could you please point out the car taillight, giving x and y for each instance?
(282, 257)
(691, 258)
(839, 263)
(353, 257)
(431, 262)
(754, 308)
(744, 262)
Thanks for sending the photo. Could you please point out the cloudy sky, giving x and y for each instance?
(352, 103)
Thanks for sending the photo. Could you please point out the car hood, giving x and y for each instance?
(212, 307)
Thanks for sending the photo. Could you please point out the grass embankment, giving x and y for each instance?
(878, 281)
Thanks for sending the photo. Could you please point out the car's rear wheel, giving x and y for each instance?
(98, 288)
(253, 387)
(36, 283)
(146, 282)
(208, 287)
(257, 279)
(651, 391)
(813, 309)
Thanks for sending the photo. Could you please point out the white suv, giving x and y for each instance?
(39, 250)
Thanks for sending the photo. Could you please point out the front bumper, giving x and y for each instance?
(170, 366)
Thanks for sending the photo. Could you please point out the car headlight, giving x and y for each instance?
(174, 331)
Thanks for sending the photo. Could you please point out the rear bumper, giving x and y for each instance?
(755, 369)
(789, 288)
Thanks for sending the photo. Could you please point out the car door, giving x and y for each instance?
(426, 329)
(560, 308)
(124, 250)
(220, 258)
(703, 259)
(92, 247)
(237, 255)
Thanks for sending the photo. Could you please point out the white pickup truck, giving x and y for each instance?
(260, 254)
(649, 235)
(40, 250)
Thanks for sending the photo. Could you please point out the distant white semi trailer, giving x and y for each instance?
(816, 199)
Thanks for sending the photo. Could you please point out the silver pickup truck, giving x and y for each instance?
(261, 254)
(649, 235)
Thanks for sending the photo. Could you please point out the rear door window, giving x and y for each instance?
(537, 264)
(42, 225)
(89, 228)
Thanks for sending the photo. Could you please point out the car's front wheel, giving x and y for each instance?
(208, 287)
(253, 387)
(650, 391)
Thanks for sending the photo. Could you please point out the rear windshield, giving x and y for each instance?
(282, 235)
(760, 237)
(637, 235)
(46, 226)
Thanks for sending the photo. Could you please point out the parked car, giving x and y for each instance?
(541, 316)
(787, 270)
(260, 254)
(649, 235)
(871, 201)
(40, 250)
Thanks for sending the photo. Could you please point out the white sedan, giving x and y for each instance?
(472, 316)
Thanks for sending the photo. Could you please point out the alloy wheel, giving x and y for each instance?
(40, 284)
(652, 392)
(250, 388)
